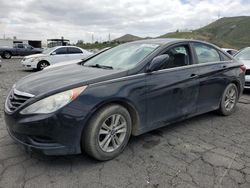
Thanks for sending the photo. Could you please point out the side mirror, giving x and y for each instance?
(53, 53)
(158, 62)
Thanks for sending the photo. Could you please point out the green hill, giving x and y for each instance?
(127, 38)
(226, 32)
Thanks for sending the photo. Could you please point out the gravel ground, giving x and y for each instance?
(205, 151)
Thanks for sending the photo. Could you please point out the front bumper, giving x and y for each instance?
(247, 82)
(28, 64)
(50, 134)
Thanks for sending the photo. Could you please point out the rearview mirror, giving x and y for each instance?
(158, 62)
(53, 53)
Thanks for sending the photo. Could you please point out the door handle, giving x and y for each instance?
(224, 66)
(194, 75)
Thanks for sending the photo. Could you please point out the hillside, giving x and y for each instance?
(227, 32)
(127, 38)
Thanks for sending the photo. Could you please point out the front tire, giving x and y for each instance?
(107, 133)
(229, 100)
(42, 64)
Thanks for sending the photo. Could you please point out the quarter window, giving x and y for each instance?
(205, 53)
(72, 50)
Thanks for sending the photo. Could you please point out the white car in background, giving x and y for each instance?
(52, 56)
(230, 51)
(244, 57)
(75, 61)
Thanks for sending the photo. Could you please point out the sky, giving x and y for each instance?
(82, 19)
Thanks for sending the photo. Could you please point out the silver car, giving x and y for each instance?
(244, 56)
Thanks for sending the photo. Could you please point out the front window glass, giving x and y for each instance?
(124, 56)
(178, 57)
(60, 51)
(244, 54)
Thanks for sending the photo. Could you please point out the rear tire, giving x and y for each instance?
(229, 100)
(42, 64)
(7, 55)
(107, 132)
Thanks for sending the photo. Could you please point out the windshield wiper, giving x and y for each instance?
(100, 66)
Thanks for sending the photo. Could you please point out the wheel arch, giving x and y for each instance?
(237, 83)
(43, 60)
(8, 51)
(127, 105)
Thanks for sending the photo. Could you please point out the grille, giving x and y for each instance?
(16, 99)
(247, 84)
(247, 72)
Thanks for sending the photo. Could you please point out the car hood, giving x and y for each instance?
(63, 78)
(246, 63)
(35, 55)
(63, 63)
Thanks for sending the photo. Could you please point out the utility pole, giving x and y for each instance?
(109, 38)
(219, 15)
(93, 38)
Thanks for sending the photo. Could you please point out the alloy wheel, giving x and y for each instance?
(7, 55)
(230, 99)
(43, 65)
(112, 133)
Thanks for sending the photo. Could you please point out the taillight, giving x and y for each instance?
(243, 68)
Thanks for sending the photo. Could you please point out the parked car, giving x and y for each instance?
(74, 61)
(230, 51)
(18, 50)
(53, 56)
(127, 90)
(244, 57)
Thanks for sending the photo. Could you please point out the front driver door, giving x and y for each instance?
(59, 55)
(173, 91)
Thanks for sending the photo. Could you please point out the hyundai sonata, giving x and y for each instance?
(96, 105)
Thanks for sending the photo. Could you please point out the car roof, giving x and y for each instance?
(66, 46)
(164, 41)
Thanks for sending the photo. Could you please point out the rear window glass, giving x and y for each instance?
(205, 53)
(72, 50)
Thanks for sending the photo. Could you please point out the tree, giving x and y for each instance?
(80, 42)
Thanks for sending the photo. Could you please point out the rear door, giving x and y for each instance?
(74, 53)
(173, 91)
(214, 75)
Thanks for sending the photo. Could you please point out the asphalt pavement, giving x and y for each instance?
(204, 151)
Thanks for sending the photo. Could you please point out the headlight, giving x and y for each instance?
(33, 59)
(54, 102)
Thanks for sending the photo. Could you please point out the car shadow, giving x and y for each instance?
(29, 70)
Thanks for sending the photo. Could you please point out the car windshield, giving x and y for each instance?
(125, 56)
(48, 50)
(244, 54)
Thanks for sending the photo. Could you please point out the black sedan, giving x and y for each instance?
(96, 105)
